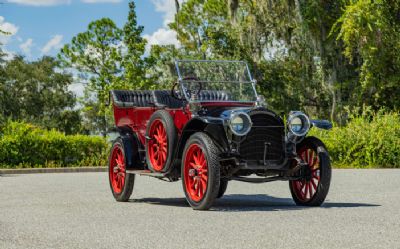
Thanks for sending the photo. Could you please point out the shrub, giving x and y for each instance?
(25, 145)
(368, 140)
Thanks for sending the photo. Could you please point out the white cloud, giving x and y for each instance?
(26, 47)
(7, 27)
(164, 36)
(101, 1)
(53, 43)
(167, 7)
(40, 2)
(161, 37)
(8, 55)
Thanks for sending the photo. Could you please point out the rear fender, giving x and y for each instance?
(132, 147)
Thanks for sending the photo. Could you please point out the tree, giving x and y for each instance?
(370, 32)
(320, 55)
(161, 65)
(107, 57)
(2, 54)
(133, 62)
(37, 93)
(267, 34)
(96, 54)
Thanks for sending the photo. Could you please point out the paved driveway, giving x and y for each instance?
(77, 210)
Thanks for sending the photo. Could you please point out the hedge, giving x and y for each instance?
(24, 145)
(367, 141)
(371, 140)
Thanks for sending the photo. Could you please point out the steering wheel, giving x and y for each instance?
(188, 92)
(174, 94)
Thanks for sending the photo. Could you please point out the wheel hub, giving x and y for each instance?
(307, 172)
(193, 172)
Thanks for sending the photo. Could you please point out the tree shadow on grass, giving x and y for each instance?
(245, 203)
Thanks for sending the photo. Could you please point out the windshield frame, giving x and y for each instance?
(182, 88)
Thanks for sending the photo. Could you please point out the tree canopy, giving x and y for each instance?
(106, 57)
(320, 56)
(36, 92)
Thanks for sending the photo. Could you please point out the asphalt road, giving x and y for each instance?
(77, 210)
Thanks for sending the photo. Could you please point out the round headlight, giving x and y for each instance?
(240, 123)
(298, 124)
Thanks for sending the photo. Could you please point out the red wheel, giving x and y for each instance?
(200, 171)
(160, 141)
(196, 175)
(313, 188)
(121, 183)
(157, 146)
(117, 169)
(306, 188)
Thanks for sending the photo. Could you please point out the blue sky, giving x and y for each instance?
(41, 27)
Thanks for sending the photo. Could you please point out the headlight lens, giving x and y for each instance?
(298, 123)
(237, 124)
(240, 123)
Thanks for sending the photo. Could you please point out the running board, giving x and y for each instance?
(146, 173)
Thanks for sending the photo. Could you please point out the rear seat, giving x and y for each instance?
(135, 98)
(160, 98)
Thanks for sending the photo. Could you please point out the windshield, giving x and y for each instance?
(211, 81)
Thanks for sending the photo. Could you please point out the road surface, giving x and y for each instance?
(77, 210)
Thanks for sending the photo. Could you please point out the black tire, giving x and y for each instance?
(129, 179)
(171, 132)
(211, 153)
(223, 185)
(325, 174)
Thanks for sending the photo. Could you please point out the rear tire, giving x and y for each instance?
(121, 183)
(200, 171)
(161, 145)
(313, 190)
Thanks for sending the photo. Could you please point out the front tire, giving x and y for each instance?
(223, 185)
(121, 183)
(312, 189)
(200, 171)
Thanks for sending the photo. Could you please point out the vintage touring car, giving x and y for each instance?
(209, 129)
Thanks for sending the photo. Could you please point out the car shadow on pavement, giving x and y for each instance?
(245, 203)
(263, 202)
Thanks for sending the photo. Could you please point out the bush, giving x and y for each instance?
(25, 145)
(368, 140)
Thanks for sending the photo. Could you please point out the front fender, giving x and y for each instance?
(322, 124)
(214, 127)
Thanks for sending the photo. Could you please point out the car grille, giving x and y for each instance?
(267, 128)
